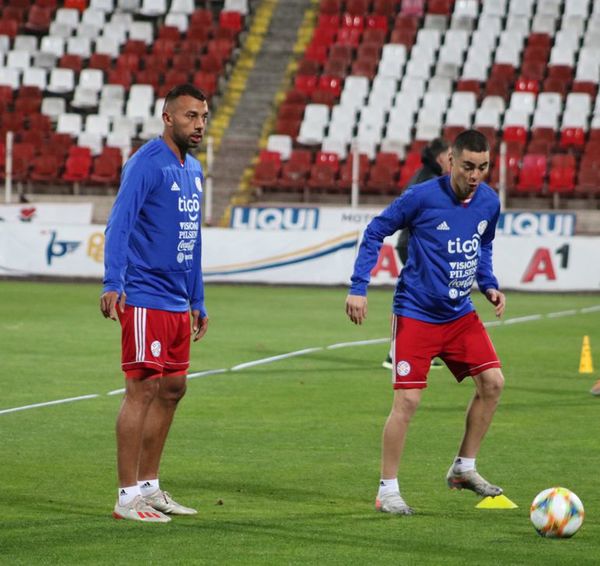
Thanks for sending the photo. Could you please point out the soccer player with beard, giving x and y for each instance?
(152, 281)
(452, 221)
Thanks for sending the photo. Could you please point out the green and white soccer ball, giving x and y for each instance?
(556, 512)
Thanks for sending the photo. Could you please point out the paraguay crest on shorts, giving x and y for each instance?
(155, 348)
(402, 368)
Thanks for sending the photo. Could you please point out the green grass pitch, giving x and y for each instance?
(282, 459)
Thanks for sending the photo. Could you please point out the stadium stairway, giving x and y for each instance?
(238, 143)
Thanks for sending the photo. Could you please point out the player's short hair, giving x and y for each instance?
(186, 89)
(470, 140)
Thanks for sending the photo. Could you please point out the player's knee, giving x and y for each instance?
(173, 390)
(406, 402)
(491, 384)
(141, 392)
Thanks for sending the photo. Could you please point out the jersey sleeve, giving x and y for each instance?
(485, 271)
(136, 183)
(396, 216)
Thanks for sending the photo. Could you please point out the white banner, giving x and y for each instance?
(283, 218)
(317, 257)
(47, 213)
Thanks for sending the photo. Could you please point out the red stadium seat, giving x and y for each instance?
(562, 174)
(374, 21)
(357, 7)
(105, 171)
(324, 171)
(38, 19)
(266, 175)
(542, 140)
(77, 167)
(45, 169)
(128, 62)
(412, 162)
(344, 182)
(294, 173)
(100, 61)
(440, 7)
(207, 82)
(231, 20)
(349, 36)
(572, 138)
(524, 84)
(354, 22)
(70, 61)
(329, 21)
(533, 172)
(330, 6)
(385, 7)
(469, 85)
(516, 134)
(306, 83)
(587, 87)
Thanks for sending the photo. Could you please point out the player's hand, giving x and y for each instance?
(356, 308)
(497, 299)
(199, 325)
(108, 304)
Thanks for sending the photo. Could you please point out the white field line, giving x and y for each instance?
(275, 358)
(358, 343)
(495, 323)
(48, 403)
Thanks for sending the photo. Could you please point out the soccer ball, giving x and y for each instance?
(556, 513)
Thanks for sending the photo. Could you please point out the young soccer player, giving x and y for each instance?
(452, 220)
(152, 280)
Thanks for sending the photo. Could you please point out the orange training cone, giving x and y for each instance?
(585, 361)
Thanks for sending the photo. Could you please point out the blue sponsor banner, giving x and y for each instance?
(536, 224)
(275, 218)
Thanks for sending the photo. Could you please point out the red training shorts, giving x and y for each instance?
(463, 344)
(154, 343)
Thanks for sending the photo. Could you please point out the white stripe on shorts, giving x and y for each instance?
(140, 333)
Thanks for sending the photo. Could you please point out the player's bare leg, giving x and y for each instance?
(489, 385)
(158, 422)
(139, 394)
(404, 406)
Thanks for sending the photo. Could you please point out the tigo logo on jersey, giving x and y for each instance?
(468, 247)
(402, 368)
(189, 205)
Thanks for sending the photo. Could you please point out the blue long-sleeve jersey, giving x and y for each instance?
(153, 243)
(450, 248)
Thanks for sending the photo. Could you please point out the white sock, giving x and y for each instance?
(148, 487)
(462, 465)
(388, 486)
(128, 494)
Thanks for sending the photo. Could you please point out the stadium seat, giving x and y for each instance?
(562, 174)
(294, 173)
(532, 175)
(323, 172)
(44, 169)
